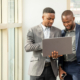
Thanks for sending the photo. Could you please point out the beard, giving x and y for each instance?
(70, 28)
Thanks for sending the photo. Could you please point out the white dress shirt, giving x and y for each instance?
(46, 32)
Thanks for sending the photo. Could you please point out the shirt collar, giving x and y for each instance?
(74, 28)
(44, 28)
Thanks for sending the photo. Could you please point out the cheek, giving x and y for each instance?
(70, 24)
(64, 24)
(47, 21)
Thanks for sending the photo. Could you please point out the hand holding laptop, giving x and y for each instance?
(55, 55)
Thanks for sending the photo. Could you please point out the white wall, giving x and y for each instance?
(32, 15)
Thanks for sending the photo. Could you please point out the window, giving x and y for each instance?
(74, 5)
(11, 39)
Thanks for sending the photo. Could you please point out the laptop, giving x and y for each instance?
(61, 44)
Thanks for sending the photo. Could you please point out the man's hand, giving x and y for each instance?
(61, 72)
(54, 55)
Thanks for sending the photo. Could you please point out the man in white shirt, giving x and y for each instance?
(42, 68)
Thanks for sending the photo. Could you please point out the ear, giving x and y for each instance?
(73, 18)
(43, 17)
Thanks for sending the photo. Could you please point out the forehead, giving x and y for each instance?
(49, 14)
(67, 17)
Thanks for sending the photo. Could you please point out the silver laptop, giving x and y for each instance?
(62, 44)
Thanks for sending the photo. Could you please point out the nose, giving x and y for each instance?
(51, 21)
(66, 24)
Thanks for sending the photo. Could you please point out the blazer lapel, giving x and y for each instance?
(77, 35)
(41, 31)
(51, 32)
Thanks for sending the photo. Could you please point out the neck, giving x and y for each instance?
(44, 24)
(73, 26)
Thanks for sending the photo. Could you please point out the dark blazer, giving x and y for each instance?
(77, 33)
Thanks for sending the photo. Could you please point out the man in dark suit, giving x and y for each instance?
(42, 68)
(70, 63)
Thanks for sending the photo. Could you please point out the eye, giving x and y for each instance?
(63, 22)
(68, 22)
(53, 19)
(49, 18)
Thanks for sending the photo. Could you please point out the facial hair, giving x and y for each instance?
(70, 28)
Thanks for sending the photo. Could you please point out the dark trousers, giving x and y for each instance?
(47, 74)
(72, 76)
(68, 77)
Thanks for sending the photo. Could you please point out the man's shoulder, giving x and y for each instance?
(78, 25)
(35, 27)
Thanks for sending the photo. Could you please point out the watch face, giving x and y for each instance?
(63, 75)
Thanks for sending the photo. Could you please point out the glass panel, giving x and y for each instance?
(11, 42)
(11, 10)
(75, 7)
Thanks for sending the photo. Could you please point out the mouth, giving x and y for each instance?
(68, 27)
(50, 24)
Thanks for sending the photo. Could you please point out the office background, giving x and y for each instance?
(16, 17)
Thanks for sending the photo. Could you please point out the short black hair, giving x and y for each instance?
(48, 10)
(67, 12)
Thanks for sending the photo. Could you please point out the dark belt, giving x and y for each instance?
(48, 64)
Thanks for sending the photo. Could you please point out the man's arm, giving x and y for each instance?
(61, 72)
(31, 45)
